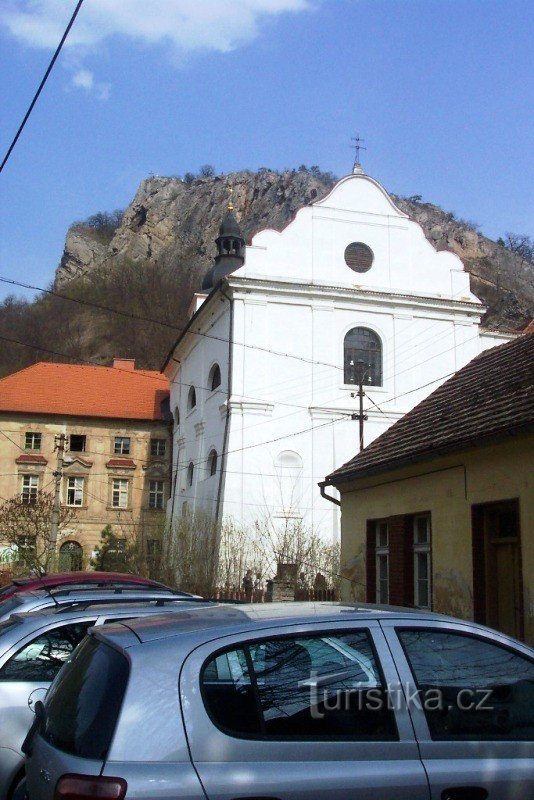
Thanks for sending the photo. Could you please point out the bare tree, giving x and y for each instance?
(25, 530)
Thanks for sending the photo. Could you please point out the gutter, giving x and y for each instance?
(322, 487)
(224, 454)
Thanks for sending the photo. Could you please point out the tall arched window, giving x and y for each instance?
(177, 416)
(212, 462)
(363, 356)
(191, 398)
(190, 473)
(214, 378)
(288, 482)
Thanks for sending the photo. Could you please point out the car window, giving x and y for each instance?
(9, 605)
(471, 688)
(320, 687)
(42, 658)
(83, 704)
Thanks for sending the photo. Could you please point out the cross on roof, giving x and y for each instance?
(357, 146)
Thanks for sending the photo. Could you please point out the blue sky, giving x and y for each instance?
(441, 90)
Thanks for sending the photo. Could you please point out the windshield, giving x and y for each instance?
(83, 703)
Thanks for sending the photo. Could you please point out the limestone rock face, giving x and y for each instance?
(170, 219)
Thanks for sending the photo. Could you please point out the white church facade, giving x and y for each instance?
(264, 376)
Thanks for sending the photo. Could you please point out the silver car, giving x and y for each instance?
(289, 702)
(38, 599)
(33, 648)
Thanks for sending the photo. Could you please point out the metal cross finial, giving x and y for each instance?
(357, 147)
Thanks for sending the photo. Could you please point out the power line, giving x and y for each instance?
(41, 85)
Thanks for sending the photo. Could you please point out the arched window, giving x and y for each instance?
(363, 357)
(214, 379)
(288, 488)
(212, 462)
(177, 416)
(70, 557)
(190, 473)
(191, 398)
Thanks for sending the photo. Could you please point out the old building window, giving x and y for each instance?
(191, 398)
(421, 562)
(214, 379)
(177, 416)
(30, 488)
(362, 357)
(121, 446)
(158, 447)
(120, 493)
(26, 545)
(382, 561)
(190, 473)
(156, 493)
(77, 443)
(212, 462)
(75, 491)
(32, 440)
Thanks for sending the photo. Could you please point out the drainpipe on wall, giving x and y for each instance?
(229, 394)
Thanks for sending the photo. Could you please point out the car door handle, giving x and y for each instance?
(464, 793)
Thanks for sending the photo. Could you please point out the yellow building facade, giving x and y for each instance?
(115, 469)
(480, 508)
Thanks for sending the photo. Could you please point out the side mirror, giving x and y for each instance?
(36, 697)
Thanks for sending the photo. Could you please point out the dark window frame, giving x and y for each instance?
(80, 438)
(370, 353)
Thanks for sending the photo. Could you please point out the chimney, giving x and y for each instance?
(127, 364)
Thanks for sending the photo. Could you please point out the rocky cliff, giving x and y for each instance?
(170, 219)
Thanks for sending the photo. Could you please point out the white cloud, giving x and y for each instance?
(183, 25)
(83, 79)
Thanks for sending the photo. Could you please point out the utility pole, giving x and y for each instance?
(360, 416)
(59, 447)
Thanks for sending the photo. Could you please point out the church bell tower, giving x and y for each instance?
(230, 250)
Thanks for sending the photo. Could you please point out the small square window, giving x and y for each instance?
(32, 440)
(77, 443)
(158, 447)
(122, 446)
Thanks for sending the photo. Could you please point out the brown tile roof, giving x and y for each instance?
(85, 391)
(490, 397)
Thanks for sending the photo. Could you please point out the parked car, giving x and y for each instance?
(39, 599)
(33, 648)
(288, 701)
(58, 579)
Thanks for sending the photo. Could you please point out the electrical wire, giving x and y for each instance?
(41, 85)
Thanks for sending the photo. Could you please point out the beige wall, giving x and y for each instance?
(97, 510)
(447, 487)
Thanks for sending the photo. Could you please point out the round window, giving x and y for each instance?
(359, 257)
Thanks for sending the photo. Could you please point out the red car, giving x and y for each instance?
(81, 579)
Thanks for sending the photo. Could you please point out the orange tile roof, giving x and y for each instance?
(85, 391)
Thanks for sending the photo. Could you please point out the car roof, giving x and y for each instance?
(65, 578)
(214, 618)
(99, 609)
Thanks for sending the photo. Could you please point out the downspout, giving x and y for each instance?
(229, 394)
(322, 487)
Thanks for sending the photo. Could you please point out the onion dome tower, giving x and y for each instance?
(230, 250)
